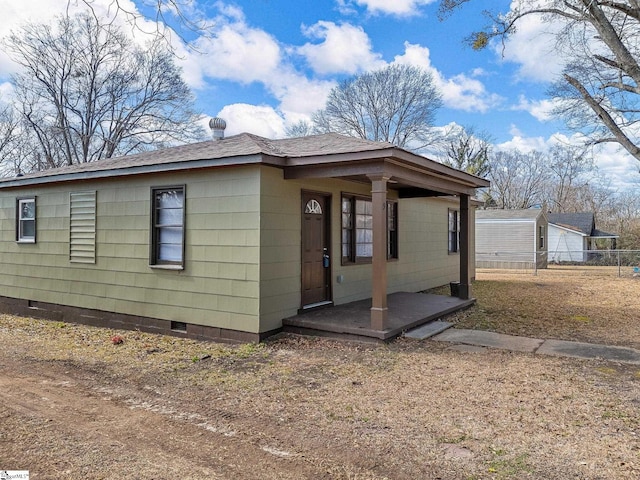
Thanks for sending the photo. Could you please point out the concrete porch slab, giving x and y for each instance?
(352, 321)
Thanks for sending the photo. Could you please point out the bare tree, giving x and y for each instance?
(572, 173)
(600, 90)
(302, 128)
(86, 92)
(469, 151)
(16, 150)
(518, 180)
(396, 104)
(182, 15)
(623, 218)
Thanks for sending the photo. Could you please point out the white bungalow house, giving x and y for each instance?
(573, 237)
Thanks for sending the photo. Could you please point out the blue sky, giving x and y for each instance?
(270, 63)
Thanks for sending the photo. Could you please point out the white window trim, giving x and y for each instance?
(19, 236)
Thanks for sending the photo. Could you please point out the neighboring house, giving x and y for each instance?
(223, 239)
(573, 235)
(511, 238)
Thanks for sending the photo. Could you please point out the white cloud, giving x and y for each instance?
(459, 92)
(541, 110)
(240, 53)
(533, 47)
(237, 52)
(391, 7)
(298, 94)
(345, 48)
(259, 120)
(523, 144)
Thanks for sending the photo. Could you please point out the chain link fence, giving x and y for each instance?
(621, 263)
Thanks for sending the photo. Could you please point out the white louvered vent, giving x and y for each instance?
(82, 229)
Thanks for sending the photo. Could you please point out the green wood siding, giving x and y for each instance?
(423, 260)
(219, 285)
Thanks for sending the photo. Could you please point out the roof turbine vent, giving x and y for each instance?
(217, 126)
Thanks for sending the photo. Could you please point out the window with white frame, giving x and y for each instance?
(167, 226)
(26, 220)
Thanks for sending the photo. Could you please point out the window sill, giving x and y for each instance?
(365, 262)
(167, 267)
(26, 241)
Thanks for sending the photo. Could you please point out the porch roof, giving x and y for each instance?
(315, 156)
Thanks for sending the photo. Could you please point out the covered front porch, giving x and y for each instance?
(352, 321)
(409, 176)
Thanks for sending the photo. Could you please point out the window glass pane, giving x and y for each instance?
(169, 199)
(347, 221)
(364, 235)
(364, 221)
(27, 209)
(364, 250)
(170, 253)
(169, 216)
(364, 206)
(170, 235)
(346, 205)
(27, 228)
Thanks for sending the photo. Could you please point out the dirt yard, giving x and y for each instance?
(73, 405)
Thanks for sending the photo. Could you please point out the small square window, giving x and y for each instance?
(26, 220)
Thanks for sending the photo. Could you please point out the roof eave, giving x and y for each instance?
(142, 170)
(394, 155)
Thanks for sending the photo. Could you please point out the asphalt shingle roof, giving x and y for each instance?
(500, 214)
(583, 222)
(244, 144)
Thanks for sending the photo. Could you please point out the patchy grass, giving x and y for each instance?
(295, 407)
(563, 304)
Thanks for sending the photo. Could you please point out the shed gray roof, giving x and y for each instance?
(500, 214)
(583, 222)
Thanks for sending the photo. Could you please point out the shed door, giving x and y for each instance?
(316, 264)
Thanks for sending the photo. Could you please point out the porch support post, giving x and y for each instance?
(379, 312)
(465, 245)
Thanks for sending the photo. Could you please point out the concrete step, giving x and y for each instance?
(428, 329)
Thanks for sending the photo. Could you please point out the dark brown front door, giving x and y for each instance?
(316, 263)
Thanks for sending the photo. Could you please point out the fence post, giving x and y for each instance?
(619, 270)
